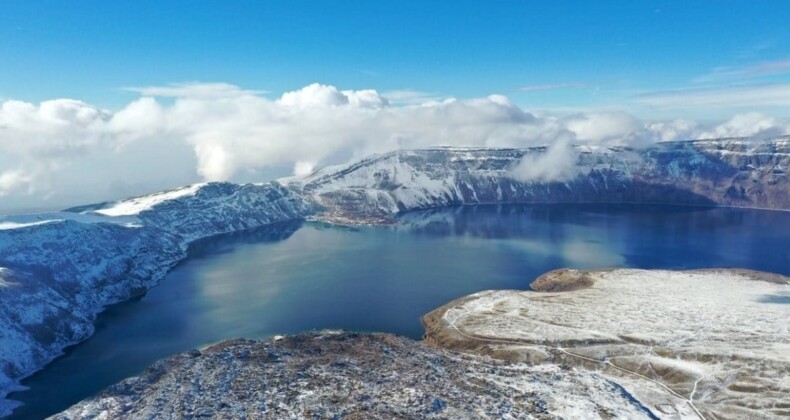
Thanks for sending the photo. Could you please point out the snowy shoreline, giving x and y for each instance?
(61, 269)
(699, 343)
(58, 276)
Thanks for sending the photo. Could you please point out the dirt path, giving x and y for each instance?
(672, 393)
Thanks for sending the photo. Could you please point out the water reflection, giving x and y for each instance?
(228, 242)
(647, 236)
(294, 277)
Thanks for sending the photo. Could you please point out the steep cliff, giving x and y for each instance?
(728, 172)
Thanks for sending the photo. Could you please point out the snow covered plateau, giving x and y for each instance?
(704, 344)
(59, 270)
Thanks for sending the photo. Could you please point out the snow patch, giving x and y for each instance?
(14, 225)
(134, 206)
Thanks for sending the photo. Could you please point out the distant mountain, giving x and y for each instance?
(59, 270)
(724, 172)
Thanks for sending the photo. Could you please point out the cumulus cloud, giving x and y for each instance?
(14, 179)
(317, 95)
(751, 124)
(556, 164)
(608, 127)
(176, 134)
(673, 130)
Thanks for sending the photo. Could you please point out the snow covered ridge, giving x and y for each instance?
(687, 344)
(134, 206)
(57, 271)
(728, 172)
(347, 375)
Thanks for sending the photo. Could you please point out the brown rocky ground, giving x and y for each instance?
(353, 376)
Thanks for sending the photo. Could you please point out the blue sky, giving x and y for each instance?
(108, 99)
(565, 55)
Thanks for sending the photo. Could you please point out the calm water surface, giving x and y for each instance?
(295, 277)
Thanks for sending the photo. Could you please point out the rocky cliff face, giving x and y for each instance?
(58, 272)
(728, 172)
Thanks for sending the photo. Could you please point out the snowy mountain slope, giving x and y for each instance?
(687, 344)
(60, 269)
(730, 172)
(57, 271)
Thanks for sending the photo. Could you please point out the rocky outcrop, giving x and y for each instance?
(693, 344)
(354, 376)
(562, 280)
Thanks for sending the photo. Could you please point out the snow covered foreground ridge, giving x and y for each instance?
(59, 270)
(355, 376)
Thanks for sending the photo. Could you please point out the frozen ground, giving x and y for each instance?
(694, 344)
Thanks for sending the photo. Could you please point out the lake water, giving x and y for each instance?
(294, 277)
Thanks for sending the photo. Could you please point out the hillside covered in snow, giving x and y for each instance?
(728, 172)
(58, 270)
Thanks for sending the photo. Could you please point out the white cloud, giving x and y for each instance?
(195, 90)
(557, 163)
(678, 129)
(411, 97)
(67, 149)
(751, 124)
(764, 68)
(722, 97)
(317, 95)
(13, 180)
(303, 168)
(605, 127)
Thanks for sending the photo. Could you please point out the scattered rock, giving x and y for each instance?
(562, 280)
(354, 376)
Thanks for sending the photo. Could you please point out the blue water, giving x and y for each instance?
(294, 277)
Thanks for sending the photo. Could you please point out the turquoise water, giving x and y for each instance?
(294, 277)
